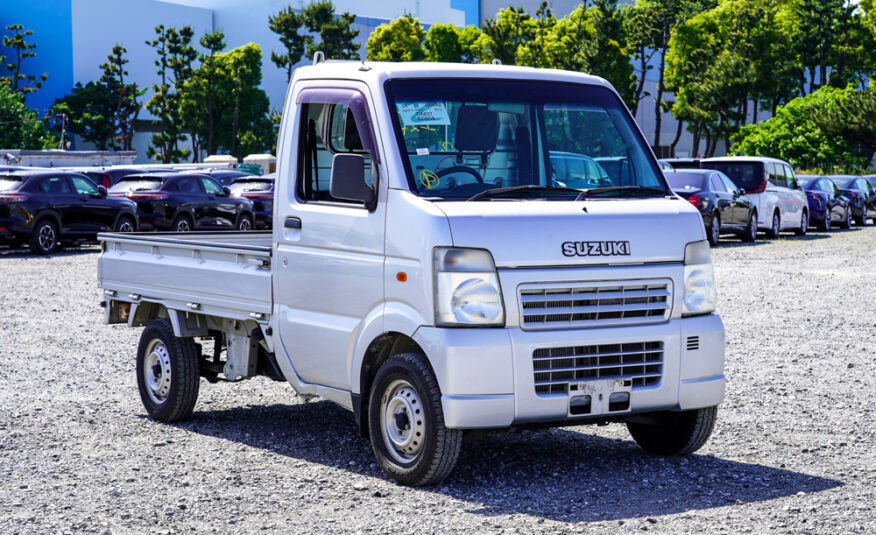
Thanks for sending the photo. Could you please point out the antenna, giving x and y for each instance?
(318, 57)
(496, 61)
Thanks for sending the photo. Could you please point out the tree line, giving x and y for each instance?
(714, 65)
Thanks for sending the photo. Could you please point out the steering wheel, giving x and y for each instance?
(460, 169)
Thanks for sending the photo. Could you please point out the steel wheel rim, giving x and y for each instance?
(126, 226)
(156, 371)
(183, 225)
(47, 237)
(402, 421)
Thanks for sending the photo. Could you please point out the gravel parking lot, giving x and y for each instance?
(793, 450)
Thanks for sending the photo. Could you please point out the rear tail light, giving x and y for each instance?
(105, 180)
(695, 200)
(760, 189)
(259, 196)
(12, 199)
(146, 196)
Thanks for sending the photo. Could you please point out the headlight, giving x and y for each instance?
(467, 290)
(699, 280)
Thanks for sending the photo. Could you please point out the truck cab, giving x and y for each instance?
(433, 271)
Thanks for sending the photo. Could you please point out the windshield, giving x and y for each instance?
(132, 183)
(10, 183)
(685, 180)
(462, 137)
(747, 175)
(241, 186)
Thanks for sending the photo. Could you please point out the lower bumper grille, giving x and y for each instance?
(556, 368)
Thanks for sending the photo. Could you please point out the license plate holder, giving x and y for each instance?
(600, 392)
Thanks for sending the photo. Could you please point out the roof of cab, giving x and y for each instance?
(379, 70)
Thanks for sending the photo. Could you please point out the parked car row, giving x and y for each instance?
(734, 191)
(45, 208)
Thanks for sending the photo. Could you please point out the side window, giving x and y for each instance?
(776, 176)
(789, 174)
(211, 187)
(717, 184)
(55, 184)
(188, 185)
(84, 186)
(328, 127)
(731, 187)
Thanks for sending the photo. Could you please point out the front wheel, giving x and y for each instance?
(125, 224)
(773, 232)
(750, 233)
(674, 433)
(804, 224)
(406, 423)
(847, 222)
(715, 230)
(167, 372)
(244, 223)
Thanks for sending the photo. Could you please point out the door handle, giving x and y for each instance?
(293, 223)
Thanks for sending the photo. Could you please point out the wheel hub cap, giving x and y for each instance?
(156, 371)
(47, 237)
(402, 422)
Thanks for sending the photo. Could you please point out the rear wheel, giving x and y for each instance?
(750, 232)
(674, 433)
(847, 221)
(406, 423)
(715, 230)
(125, 224)
(804, 224)
(862, 219)
(244, 222)
(44, 239)
(181, 224)
(776, 225)
(167, 372)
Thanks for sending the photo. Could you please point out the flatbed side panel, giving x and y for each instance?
(230, 282)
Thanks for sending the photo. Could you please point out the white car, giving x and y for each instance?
(772, 186)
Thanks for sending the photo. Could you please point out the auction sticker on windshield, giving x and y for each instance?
(425, 113)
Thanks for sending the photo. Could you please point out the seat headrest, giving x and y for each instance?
(352, 141)
(477, 129)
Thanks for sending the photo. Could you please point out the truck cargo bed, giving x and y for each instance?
(226, 274)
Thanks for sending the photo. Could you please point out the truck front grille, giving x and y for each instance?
(556, 368)
(552, 306)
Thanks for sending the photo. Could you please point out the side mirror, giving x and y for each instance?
(101, 191)
(226, 191)
(348, 179)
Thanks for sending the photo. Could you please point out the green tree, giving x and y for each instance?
(444, 43)
(200, 95)
(613, 61)
(537, 51)
(288, 24)
(127, 107)
(817, 27)
(852, 118)
(20, 128)
(511, 28)
(175, 56)
(20, 82)
(794, 135)
(399, 40)
(89, 111)
(336, 33)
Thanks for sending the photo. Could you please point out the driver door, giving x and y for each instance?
(329, 254)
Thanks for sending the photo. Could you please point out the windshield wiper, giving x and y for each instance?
(495, 192)
(614, 189)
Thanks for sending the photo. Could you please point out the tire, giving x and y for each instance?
(715, 230)
(405, 385)
(862, 219)
(774, 229)
(44, 239)
(125, 224)
(825, 225)
(675, 433)
(244, 222)
(749, 235)
(181, 224)
(847, 223)
(167, 372)
(804, 224)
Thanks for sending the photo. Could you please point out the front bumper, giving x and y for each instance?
(487, 375)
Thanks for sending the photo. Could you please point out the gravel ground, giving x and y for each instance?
(793, 450)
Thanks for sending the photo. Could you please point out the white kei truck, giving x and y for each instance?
(431, 271)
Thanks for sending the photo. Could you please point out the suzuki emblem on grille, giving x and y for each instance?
(596, 248)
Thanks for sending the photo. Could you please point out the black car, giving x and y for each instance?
(725, 208)
(109, 175)
(826, 204)
(259, 190)
(184, 201)
(682, 163)
(46, 206)
(861, 194)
